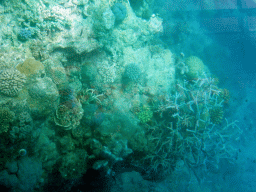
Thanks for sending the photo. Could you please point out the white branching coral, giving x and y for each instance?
(107, 72)
(11, 82)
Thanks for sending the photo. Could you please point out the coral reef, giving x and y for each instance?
(108, 18)
(112, 152)
(107, 72)
(31, 67)
(68, 118)
(58, 75)
(23, 127)
(188, 127)
(102, 88)
(119, 11)
(46, 150)
(225, 95)
(74, 164)
(43, 96)
(216, 115)
(67, 97)
(132, 73)
(196, 68)
(22, 175)
(155, 24)
(11, 82)
(24, 34)
(144, 114)
(6, 117)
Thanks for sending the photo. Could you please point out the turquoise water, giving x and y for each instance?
(127, 95)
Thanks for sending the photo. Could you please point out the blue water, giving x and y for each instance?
(231, 56)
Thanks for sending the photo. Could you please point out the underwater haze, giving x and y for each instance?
(127, 95)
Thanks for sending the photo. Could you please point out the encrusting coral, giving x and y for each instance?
(6, 117)
(11, 82)
(30, 66)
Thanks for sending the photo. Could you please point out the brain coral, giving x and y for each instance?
(11, 82)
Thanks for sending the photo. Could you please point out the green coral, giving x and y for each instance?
(6, 117)
(145, 115)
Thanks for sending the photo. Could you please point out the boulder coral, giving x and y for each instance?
(196, 68)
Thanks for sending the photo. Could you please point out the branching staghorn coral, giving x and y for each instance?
(187, 132)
